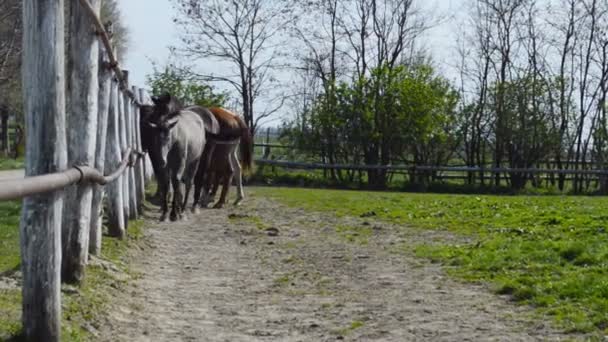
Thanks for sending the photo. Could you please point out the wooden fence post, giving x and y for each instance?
(148, 169)
(139, 166)
(129, 138)
(40, 225)
(123, 147)
(105, 81)
(115, 215)
(83, 92)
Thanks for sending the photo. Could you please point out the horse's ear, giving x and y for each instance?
(152, 124)
(171, 124)
(155, 99)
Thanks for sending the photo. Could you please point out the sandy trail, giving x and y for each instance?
(11, 174)
(223, 276)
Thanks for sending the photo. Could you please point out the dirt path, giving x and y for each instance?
(11, 174)
(223, 276)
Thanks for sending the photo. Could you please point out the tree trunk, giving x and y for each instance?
(40, 225)
(83, 92)
(115, 215)
(105, 82)
(4, 131)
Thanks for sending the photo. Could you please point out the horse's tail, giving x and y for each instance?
(246, 145)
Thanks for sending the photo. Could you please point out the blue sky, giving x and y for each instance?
(151, 32)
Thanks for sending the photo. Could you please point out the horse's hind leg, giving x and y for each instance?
(163, 189)
(207, 184)
(199, 182)
(187, 180)
(177, 198)
(238, 175)
(225, 187)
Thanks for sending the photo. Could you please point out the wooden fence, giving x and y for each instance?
(266, 157)
(69, 149)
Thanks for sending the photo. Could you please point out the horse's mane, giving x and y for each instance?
(174, 106)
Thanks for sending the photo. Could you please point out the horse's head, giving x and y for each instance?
(165, 105)
(146, 115)
(164, 138)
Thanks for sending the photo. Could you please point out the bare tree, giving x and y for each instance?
(110, 12)
(245, 36)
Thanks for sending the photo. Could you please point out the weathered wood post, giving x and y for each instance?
(83, 92)
(105, 82)
(148, 169)
(123, 147)
(130, 171)
(115, 215)
(139, 165)
(46, 152)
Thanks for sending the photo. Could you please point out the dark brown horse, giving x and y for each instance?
(220, 161)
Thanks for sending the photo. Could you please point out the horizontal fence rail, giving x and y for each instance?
(28, 186)
(322, 166)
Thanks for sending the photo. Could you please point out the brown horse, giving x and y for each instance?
(220, 160)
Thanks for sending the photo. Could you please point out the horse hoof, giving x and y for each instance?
(163, 218)
(218, 205)
(173, 217)
(238, 202)
(195, 210)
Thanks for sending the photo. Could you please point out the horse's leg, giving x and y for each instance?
(213, 184)
(177, 178)
(207, 184)
(238, 174)
(188, 179)
(198, 187)
(163, 189)
(227, 177)
(216, 184)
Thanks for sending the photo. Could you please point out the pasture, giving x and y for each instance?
(11, 164)
(548, 252)
(355, 264)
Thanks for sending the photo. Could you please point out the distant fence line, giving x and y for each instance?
(414, 168)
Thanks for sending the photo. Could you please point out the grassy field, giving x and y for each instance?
(11, 164)
(82, 307)
(550, 252)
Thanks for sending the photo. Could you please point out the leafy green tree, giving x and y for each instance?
(178, 83)
(395, 115)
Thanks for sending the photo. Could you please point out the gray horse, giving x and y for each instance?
(180, 140)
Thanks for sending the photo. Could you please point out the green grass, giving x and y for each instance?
(548, 252)
(359, 235)
(11, 164)
(91, 302)
(82, 308)
(9, 236)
